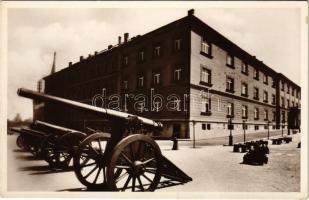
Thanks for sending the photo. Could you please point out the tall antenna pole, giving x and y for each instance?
(53, 70)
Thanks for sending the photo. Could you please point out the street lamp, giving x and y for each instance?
(230, 136)
(244, 127)
(268, 122)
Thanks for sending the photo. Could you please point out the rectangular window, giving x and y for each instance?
(205, 75)
(230, 84)
(140, 82)
(244, 89)
(273, 83)
(206, 47)
(256, 113)
(282, 102)
(157, 51)
(293, 91)
(126, 61)
(265, 115)
(288, 89)
(265, 79)
(265, 127)
(293, 104)
(177, 74)
(208, 127)
(229, 60)
(244, 112)
(203, 126)
(156, 79)
(283, 116)
(206, 106)
(256, 93)
(265, 96)
(256, 74)
(177, 44)
(125, 84)
(256, 127)
(219, 104)
(273, 99)
(288, 103)
(282, 86)
(141, 56)
(274, 116)
(244, 68)
(230, 110)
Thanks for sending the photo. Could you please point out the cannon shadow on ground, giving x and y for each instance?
(162, 184)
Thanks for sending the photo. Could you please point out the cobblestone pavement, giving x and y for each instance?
(213, 169)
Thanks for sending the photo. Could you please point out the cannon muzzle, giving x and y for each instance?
(100, 112)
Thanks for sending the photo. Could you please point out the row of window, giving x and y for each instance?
(206, 49)
(157, 52)
(206, 110)
(256, 127)
(156, 79)
(289, 89)
(288, 104)
(206, 80)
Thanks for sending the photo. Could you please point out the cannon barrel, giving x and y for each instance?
(101, 112)
(53, 126)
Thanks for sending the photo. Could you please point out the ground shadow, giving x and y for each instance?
(70, 169)
(27, 157)
(19, 150)
(252, 164)
(35, 168)
(162, 184)
(45, 169)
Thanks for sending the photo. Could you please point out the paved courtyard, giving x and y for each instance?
(214, 168)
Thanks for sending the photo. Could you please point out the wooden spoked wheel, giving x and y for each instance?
(135, 164)
(20, 142)
(89, 162)
(60, 154)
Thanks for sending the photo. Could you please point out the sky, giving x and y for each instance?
(271, 34)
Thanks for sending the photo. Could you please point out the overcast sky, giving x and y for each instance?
(272, 35)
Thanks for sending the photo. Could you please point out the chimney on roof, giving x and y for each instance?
(126, 37)
(119, 40)
(89, 55)
(95, 53)
(110, 46)
(70, 64)
(81, 58)
(191, 12)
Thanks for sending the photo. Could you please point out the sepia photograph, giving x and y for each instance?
(182, 99)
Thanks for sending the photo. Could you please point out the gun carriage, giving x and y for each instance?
(51, 142)
(117, 160)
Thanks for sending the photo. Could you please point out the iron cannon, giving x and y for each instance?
(117, 161)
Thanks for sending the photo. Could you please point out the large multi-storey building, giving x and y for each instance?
(184, 74)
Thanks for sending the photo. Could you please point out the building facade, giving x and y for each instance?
(184, 74)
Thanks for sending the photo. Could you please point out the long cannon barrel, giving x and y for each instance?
(101, 112)
(53, 126)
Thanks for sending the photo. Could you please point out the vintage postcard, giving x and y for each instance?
(180, 99)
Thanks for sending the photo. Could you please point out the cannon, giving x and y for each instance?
(30, 140)
(55, 144)
(58, 147)
(117, 161)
